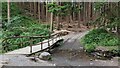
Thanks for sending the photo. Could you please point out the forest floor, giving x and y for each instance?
(71, 53)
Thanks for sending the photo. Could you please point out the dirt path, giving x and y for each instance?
(73, 41)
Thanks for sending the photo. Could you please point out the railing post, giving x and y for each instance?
(30, 46)
(59, 36)
(56, 37)
(52, 39)
(41, 44)
(48, 40)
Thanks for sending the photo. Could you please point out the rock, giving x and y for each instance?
(33, 59)
(91, 63)
(91, 59)
(96, 60)
(69, 26)
(54, 64)
(81, 47)
(94, 54)
(98, 57)
(1, 65)
(99, 54)
(5, 61)
(45, 56)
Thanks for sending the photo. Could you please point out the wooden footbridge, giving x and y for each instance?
(39, 47)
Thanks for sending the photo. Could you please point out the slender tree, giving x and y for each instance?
(34, 9)
(46, 10)
(51, 23)
(39, 12)
(58, 19)
(30, 3)
(8, 7)
(79, 13)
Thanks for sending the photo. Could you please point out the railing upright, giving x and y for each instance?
(49, 40)
(41, 44)
(60, 35)
(56, 37)
(52, 39)
(30, 47)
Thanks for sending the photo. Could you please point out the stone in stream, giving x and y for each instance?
(45, 56)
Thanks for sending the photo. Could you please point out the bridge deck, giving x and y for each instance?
(35, 48)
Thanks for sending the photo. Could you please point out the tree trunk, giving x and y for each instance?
(91, 11)
(79, 17)
(118, 26)
(46, 11)
(39, 12)
(51, 25)
(30, 7)
(57, 19)
(35, 9)
(73, 13)
(8, 11)
(43, 16)
(84, 13)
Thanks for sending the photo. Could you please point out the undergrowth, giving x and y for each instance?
(99, 37)
(20, 25)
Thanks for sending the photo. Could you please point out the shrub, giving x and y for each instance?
(100, 37)
(89, 47)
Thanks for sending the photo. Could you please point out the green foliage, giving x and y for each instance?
(29, 29)
(89, 47)
(56, 9)
(20, 25)
(63, 10)
(34, 29)
(99, 5)
(15, 10)
(108, 17)
(101, 37)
